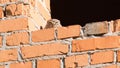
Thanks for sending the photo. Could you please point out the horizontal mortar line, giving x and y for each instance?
(93, 51)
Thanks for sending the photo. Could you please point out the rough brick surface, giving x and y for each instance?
(42, 50)
(43, 35)
(82, 45)
(2, 67)
(118, 55)
(21, 65)
(13, 24)
(1, 12)
(102, 57)
(116, 25)
(107, 42)
(10, 9)
(112, 66)
(76, 61)
(70, 31)
(19, 9)
(17, 39)
(8, 55)
(53, 63)
(96, 28)
(0, 41)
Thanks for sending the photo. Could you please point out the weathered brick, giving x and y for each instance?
(118, 56)
(107, 42)
(6, 1)
(96, 28)
(83, 45)
(17, 39)
(42, 50)
(1, 12)
(21, 65)
(43, 35)
(53, 63)
(112, 66)
(116, 25)
(102, 57)
(76, 61)
(0, 41)
(8, 55)
(13, 24)
(19, 9)
(70, 31)
(10, 9)
(2, 67)
(43, 11)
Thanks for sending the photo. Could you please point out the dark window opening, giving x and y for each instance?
(84, 11)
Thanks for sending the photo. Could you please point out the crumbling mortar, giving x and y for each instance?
(34, 63)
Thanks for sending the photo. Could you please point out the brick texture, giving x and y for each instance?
(53, 63)
(2, 67)
(76, 61)
(21, 65)
(117, 25)
(96, 28)
(10, 9)
(17, 39)
(8, 55)
(70, 31)
(13, 24)
(1, 12)
(102, 57)
(0, 41)
(118, 55)
(81, 45)
(43, 50)
(112, 66)
(43, 35)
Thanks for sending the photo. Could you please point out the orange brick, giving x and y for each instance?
(1, 12)
(8, 55)
(116, 25)
(83, 45)
(2, 67)
(118, 56)
(17, 39)
(13, 24)
(43, 35)
(76, 61)
(21, 65)
(53, 63)
(10, 9)
(0, 41)
(42, 50)
(112, 66)
(19, 9)
(43, 11)
(107, 42)
(70, 31)
(102, 57)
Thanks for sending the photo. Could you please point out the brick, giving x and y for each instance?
(118, 56)
(112, 66)
(43, 35)
(70, 31)
(21, 65)
(76, 61)
(102, 57)
(10, 10)
(43, 11)
(19, 9)
(1, 12)
(42, 50)
(53, 63)
(96, 28)
(13, 24)
(107, 42)
(8, 55)
(83, 45)
(116, 25)
(17, 39)
(2, 67)
(0, 41)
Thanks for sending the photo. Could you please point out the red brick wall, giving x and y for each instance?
(96, 45)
